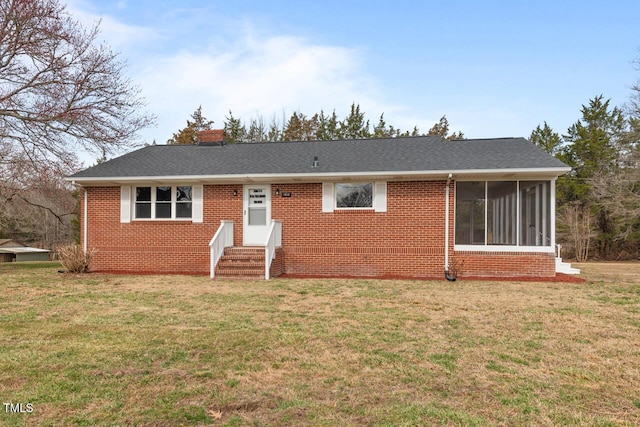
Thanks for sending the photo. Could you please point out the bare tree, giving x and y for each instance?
(579, 221)
(619, 193)
(36, 204)
(59, 91)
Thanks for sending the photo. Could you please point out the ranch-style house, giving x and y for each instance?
(391, 207)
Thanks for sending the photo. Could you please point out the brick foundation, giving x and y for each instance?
(506, 264)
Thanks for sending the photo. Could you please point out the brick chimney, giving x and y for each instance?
(215, 136)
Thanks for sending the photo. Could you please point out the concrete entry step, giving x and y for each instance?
(565, 267)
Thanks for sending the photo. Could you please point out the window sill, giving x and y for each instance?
(161, 219)
(503, 248)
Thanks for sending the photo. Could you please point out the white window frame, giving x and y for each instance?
(363, 208)
(379, 197)
(550, 248)
(174, 198)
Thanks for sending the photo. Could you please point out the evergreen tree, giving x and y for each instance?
(441, 129)
(188, 135)
(355, 126)
(293, 130)
(328, 127)
(545, 138)
(310, 128)
(234, 129)
(301, 128)
(593, 147)
(257, 130)
(382, 131)
(275, 131)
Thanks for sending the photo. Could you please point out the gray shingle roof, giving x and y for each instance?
(372, 155)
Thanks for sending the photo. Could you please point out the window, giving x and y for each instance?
(507, 213)
(163, 202)
(354, 195)
(257, 208)
(184, 202)
(143, 202)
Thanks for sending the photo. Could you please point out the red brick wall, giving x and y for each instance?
(277, 266)
(506, 264)
(158, 246)
(407, 240)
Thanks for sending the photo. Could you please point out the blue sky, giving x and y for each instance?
(494, 68)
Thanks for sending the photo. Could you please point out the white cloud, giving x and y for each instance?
(121, 37)
(240, 69)
(255, 76)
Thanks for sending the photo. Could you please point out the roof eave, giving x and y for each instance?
(521, 173)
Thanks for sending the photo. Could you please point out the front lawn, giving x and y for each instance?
(173, 350)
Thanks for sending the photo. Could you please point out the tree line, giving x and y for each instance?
(300, 127)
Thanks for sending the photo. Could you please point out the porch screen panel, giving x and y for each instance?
(501, 212)
(535, 213)
(470, 213)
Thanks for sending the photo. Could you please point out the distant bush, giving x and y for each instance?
(74, 259)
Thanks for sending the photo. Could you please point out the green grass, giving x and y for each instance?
(172, 350)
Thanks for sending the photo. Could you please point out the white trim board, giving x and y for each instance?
(426, 175)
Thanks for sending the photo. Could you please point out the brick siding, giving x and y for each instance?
(405, 241)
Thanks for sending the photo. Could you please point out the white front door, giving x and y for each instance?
(257, 214)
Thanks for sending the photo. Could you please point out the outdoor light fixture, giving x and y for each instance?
(277, 191)
(235, 192)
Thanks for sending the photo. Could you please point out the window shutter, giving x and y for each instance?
(198, 196)
(125, 203)
(380, 196)
(327, 197)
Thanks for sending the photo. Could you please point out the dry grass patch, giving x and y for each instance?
(172, 350)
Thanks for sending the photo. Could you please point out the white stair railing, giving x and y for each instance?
(274, 240)
(222, 239)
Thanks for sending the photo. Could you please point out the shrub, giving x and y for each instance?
(455, 267)
(74, 259)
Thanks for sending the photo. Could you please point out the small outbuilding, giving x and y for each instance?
(12, 251)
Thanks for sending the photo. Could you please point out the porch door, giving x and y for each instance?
(256, 214)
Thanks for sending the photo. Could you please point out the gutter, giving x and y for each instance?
(85, 221)
(446, 231)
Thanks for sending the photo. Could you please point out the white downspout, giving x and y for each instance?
(85, 222)
(446, 226)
